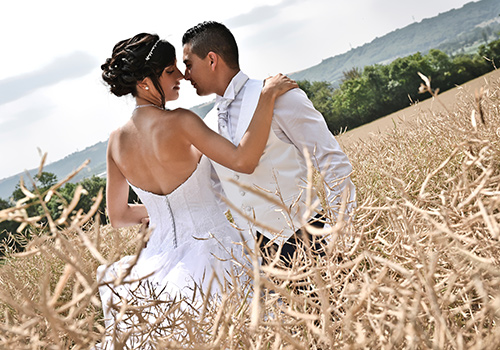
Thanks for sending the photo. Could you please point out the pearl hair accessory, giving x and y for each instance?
(148, 57)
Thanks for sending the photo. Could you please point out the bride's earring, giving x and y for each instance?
(146, 88)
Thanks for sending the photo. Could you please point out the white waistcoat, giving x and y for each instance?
(281, 173)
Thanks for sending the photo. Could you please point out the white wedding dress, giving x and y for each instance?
(191, 240)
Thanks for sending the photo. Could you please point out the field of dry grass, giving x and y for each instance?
(416, 266)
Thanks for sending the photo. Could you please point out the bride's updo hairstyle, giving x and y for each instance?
(132, 60)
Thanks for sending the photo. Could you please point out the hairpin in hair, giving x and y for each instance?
(148, 57)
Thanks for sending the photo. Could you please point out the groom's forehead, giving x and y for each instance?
(189, 56)
(187, 48)
(187, 53)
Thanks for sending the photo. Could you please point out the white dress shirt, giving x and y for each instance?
(297, 122)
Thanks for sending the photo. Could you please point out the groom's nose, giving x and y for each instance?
(181, 76)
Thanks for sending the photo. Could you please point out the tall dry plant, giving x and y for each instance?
(48, 292)
(415, 267)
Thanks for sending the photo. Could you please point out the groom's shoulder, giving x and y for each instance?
(293, 97)
(255, 82)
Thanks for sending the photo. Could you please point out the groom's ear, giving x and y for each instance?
(213, 59)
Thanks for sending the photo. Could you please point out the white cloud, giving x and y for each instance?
(74, 65)
(259, 14)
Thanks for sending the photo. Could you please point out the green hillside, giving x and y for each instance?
(63, 167)
(473, 24)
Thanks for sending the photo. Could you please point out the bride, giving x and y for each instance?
(160, 153)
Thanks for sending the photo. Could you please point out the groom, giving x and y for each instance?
(211, 59)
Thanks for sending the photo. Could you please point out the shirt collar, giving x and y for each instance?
(234, 87)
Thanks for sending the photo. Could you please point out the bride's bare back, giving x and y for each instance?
(151, 151)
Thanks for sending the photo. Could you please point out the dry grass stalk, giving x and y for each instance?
(416, 267)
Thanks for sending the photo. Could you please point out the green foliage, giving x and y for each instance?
(491, 52)
(379, 90)
(92, 186)
(6, 227)
(65, 194)
(320, 93)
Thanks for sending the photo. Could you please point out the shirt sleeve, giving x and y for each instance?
(296, 121)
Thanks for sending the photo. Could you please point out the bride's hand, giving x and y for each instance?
(278, 85)
(145, 222)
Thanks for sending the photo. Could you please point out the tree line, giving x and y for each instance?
(41, 184)
(367, 94)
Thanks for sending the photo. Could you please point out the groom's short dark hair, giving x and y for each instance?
(213, 36)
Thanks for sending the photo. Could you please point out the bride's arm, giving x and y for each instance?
(245, 157)
(120, 212)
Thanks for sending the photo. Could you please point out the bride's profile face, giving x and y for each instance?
(170, 82)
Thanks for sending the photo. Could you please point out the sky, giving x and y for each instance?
(52, 98)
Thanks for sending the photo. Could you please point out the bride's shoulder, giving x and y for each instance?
(115, 134)
(114, 140)
(172, 121)
(120, 131)
(123, 134)
(182, 115)
(182, 111)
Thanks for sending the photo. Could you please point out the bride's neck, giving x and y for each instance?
(148, 101)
